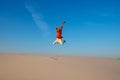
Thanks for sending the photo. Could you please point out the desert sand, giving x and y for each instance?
(43, 67)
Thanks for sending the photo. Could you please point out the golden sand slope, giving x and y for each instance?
(36, 67)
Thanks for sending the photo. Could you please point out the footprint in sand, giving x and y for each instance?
(54, 58)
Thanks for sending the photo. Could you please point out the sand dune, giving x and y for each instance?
(39, 67)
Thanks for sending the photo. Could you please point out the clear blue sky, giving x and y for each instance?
(92, 27)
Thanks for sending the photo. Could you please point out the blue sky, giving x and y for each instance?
(92, 27)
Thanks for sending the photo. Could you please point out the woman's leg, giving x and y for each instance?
(55, 42)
